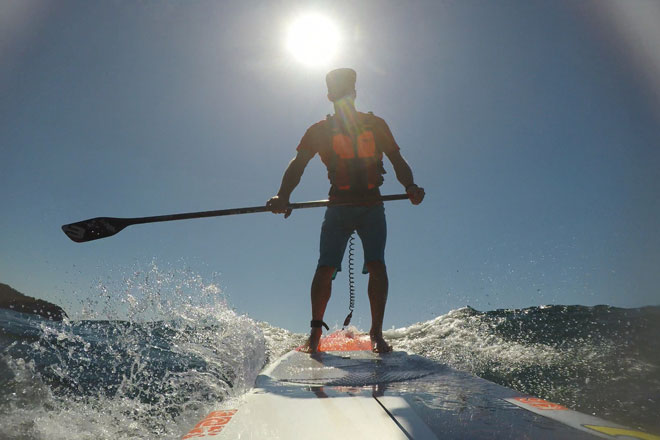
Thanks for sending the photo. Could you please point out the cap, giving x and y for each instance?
(340, 82)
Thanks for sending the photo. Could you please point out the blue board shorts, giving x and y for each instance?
(338, 225)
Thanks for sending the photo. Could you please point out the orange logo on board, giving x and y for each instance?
(211, 425)
(540, 403)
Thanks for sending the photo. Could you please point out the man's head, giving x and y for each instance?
(341, 83)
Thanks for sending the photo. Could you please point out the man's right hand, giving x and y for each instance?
(279, 205)
(416, 194)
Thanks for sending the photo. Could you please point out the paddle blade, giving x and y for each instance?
(94, 228)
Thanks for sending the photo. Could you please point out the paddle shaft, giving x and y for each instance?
(102, 227)
(252, 209)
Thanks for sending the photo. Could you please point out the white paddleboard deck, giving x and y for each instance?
(349, 392)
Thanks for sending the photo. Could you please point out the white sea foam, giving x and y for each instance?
(169, 317)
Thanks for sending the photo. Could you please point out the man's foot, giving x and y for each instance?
(379, 345)
(312, 344)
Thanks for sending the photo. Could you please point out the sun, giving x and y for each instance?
(313, 40)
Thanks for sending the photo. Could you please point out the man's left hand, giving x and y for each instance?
(279, 205)
(416, 194)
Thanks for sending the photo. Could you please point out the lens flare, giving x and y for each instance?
(313, 40)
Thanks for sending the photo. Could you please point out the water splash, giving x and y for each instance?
(171, 351)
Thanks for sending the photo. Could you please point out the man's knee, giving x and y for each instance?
(324, 274)
(377, 269)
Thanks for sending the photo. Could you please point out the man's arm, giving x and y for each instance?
(405, 175)
(293, 173)
(290, 180)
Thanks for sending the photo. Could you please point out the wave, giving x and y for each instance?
(172, 359)
(599, 360)
(120, 379)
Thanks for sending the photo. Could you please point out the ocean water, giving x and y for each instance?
(155, 374)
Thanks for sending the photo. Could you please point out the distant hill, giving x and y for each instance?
(15, 300)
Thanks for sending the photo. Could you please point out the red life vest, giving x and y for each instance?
(355, 163)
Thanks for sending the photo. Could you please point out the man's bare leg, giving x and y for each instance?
(321, 290)
(378, 286)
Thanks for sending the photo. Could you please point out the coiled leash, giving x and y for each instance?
(315, 323)
(351, 281)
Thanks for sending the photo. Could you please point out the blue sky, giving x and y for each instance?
(533, 126)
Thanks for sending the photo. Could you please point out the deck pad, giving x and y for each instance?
(344, 340)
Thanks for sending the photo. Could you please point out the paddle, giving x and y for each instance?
(102, 227)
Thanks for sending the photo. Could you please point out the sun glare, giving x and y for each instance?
(313, 40)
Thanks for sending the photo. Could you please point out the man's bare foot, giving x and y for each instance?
(312, 344)
(379, 345)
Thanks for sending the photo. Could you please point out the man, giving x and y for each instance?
(351, 145)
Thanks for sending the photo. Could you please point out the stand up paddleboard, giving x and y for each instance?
(348, 392)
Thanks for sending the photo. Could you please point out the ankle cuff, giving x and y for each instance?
(315, 323)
